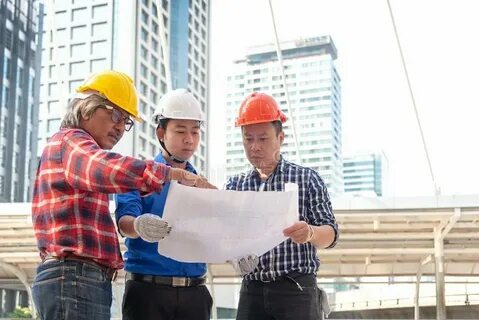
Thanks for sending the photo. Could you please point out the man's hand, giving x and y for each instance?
(299, 232)
(245, 265)
(190, 179)
(151, 228)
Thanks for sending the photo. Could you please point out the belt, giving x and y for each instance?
(169, 281)
(110, 273)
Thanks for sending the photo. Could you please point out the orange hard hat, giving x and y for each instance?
(259, 108)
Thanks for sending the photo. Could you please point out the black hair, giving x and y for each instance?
(278, 126)
(162, 123)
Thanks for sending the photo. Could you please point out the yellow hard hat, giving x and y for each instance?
(115, 86)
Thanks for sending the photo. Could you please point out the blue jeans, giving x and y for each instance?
(71, 290)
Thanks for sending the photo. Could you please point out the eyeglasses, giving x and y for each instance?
(117, 117)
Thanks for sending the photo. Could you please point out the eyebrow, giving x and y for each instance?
(261, 134)
(180, 126)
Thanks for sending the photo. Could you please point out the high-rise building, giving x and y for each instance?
(89, 36)
(19, 82)
(364, 174)
(314, 88)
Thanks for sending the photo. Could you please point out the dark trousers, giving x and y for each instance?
(295, 297)
(149, 301)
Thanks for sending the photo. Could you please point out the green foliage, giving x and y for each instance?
(20, 313)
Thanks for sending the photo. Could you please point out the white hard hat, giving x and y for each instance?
(178, 104)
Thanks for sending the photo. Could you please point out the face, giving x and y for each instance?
(102, 127)
(262, 145)
(181, 137)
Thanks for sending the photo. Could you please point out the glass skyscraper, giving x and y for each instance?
(89, 36)
(364, 174)
(19, 83)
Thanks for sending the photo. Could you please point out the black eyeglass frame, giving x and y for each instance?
(117, 116)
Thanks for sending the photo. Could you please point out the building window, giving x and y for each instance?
(77, 69)
(78, 51)
(154, 45)
(53, 125)
(154, 27)
(153, 96)
(99, 30)
(2, 157)
(154, 79)
(99, 11)
(143, 88)
(144, 17)
(5, 130)
(98, 47)
(98, 64)
(17, 162)
(144, 53)
(79, 33)
(143, 70)
(144, 35)
(6, 67)
(6, 93)
(154, 62)
(79, 15)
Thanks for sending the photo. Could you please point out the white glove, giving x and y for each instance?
(151, 227)
(245, 265)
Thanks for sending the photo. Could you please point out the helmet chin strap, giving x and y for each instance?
(172, 157)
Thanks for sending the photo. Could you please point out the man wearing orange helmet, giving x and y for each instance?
(282, 284)
(75, 233)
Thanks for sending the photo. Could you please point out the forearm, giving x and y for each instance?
(88, 167)
(322, 236)
(125, 224)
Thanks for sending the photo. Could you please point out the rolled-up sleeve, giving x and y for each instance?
(320, 210)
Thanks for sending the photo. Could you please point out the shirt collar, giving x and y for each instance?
(279, 168)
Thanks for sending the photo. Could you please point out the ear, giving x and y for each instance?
(84, 115)
(281, 137)
(160, 133)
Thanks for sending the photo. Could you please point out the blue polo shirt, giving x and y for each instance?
(141, 256)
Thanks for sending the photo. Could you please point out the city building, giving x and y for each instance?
(364, 174)
(19, 83)
(314, 88)
(82, 37)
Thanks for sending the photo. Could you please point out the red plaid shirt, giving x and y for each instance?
(70, 199)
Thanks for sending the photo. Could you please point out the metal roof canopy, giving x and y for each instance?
(378, 237)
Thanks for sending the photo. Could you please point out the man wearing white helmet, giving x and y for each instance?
(158, 287)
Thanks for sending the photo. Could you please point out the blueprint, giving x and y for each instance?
(214, 226)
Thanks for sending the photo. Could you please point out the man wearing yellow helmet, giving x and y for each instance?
(75, 234)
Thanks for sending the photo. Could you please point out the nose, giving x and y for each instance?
(254, 146)
(120, 126)
(188, 138)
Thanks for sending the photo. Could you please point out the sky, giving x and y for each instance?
(439, 42)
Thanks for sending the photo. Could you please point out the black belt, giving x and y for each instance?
(168, 281)
(110, 273)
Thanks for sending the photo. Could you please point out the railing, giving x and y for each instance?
(451, 300)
